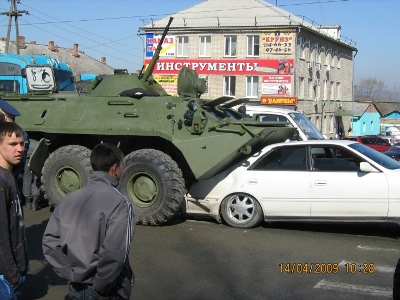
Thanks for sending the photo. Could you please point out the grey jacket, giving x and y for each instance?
(87, 238)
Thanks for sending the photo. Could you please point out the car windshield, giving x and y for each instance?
(306, 126)
(381, 159)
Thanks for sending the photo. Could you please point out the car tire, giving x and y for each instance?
(154, 184)
(66, 170)
(241, 210)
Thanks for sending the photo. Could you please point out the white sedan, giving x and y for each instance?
(324, 180)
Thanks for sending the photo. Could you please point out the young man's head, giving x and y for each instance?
(107, 158)
(11, 144)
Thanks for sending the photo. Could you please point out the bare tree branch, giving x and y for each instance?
(369, 89)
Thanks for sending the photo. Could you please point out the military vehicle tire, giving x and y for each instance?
(154, 184)
(241, 211)
(66, 170)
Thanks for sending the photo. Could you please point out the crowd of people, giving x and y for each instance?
(88, 236)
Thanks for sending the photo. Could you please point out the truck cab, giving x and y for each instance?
(13, 72)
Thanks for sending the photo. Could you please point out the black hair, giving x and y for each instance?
(8, 128)
(104, 156)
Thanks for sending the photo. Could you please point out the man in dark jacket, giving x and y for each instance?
(87, 238)
(13, 258)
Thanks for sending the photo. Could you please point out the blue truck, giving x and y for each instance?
(13, 73)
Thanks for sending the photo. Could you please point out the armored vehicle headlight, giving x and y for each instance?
(192, 105)
(188, 117)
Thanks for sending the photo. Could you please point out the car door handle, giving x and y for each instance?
(320, 182)
(252, 181)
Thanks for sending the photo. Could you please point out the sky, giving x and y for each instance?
(109, 28)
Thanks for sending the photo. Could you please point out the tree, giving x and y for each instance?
(369, 89)
(393, 94)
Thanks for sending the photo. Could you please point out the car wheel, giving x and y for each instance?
(154, 184)
(241, 211)
(66, 170)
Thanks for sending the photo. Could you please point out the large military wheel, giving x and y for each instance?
(66, 170)
(154, 184)
(242, 211)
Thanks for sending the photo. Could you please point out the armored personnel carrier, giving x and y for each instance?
(169, 141)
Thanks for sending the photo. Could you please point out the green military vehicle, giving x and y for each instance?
(169, 141)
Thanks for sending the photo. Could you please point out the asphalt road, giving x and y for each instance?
(192, 259)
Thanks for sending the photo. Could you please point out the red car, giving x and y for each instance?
(375, 142)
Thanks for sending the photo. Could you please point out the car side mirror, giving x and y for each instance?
(366, 167)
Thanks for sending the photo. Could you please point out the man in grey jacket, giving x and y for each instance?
(87, 238)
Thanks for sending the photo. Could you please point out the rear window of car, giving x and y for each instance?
(272, 117)
(367, 141)
(375, 141)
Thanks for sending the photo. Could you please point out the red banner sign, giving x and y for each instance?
(226, 66)
(268, 100)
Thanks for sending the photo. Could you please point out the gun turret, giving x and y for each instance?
(150, 68)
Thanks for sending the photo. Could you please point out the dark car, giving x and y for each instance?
(375, 142)
(393, 152)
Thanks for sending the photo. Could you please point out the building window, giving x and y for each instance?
(205, 46)
(317, 122)
(229, 85)
(317, 92)
(301, 88)
(372, 126)
(230, 45)
(182, 45)
(301, 47)
(339, 54)
(333, 57)
(338, 96)
(364, 127)
(327, 56)
(253, 45)
(317, 53)
(252, 86)
(310, 49)
(310, 89)
(331, 91)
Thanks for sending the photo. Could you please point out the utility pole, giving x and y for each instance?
(13, 12)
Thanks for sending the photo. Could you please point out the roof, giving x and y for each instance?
(268, 109)
(387, 108)
(359, 109)
(79, 65)
(312, 142)
(237, 14)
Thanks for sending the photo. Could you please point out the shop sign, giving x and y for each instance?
(168, 82)
(168, 46)
(277, 85)
(225, 66)
(268, 100)
(277, 41)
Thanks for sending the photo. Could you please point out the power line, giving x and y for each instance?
(91, 33)
(308, 3)
(91, 49)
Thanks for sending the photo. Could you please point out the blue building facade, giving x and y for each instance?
(365, 120)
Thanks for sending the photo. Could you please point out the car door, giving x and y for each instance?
(340, 189)
(280, 180)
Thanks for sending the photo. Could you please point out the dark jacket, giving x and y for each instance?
(396, 282)
(13, 258)
(88, 236)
